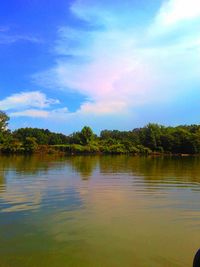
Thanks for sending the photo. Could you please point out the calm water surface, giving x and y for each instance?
(99, 211)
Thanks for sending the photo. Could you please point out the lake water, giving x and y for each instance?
(99, 211)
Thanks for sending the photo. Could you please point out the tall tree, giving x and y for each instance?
(3, 126)
(87, 135)
(3, 121)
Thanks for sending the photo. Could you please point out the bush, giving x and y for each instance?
(114, 149)
(144, 150)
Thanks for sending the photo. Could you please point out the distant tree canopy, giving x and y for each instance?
(183, 139)
(43, 137)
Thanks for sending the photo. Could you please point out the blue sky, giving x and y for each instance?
(107, 64)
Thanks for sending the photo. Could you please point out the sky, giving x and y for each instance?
(108, 64)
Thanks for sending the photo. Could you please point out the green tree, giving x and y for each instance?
(86, 135)
(150, 136)
(3, 121)
(3, 126)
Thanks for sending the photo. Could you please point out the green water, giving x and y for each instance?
(99, 211)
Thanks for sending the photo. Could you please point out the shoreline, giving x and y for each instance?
(49, 151)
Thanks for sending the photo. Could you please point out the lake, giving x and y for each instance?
(99, 211)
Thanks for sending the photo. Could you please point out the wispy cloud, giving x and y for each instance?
(4, 28)
(118, 67)
(9, 36)
(33, 113)
(10, 39)
(37, 113)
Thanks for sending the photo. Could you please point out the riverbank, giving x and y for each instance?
(152, 139)
(75, 149)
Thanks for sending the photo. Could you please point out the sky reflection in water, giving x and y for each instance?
(99, 211)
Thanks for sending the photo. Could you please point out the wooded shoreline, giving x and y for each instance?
(152, 139)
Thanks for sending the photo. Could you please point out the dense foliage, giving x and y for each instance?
(152, 138)
(43, 137)
(3, 126)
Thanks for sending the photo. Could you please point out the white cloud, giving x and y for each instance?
(178, 18)
(37, 113)
(119, 68)
(103, 107)
(34, 99)
(32, 104)
(33, 113)
(176, 11)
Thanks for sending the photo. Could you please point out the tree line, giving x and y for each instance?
(152, 138)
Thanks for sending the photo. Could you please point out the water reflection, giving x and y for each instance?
(26, 180)
(85, 165)
(2, 181)
(150, 168)
(154, 168)
(26, 164)
(84, 210)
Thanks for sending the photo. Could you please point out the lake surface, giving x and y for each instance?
(99, 211)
